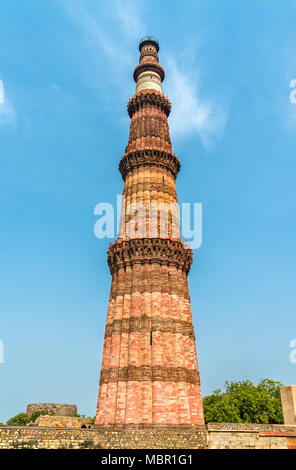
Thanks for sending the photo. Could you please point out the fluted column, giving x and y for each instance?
(149, 376)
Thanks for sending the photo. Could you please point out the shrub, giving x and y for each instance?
(22, 419)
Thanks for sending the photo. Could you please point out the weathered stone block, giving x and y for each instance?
(57, 409)
(288, 397)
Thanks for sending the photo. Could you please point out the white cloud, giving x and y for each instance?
(7, 113)
(129, 18)
(191, 113)
(116, 35)
(114, 28)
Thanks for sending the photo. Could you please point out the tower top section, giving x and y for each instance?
(148, 41)
(149, 74)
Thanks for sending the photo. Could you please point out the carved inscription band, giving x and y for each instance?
(147, 324)
(157, 187)
(165, 426)
(150, 373)
(156, 285)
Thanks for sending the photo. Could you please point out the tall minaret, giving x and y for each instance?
(149, 376)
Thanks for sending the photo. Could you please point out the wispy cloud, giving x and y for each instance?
(7, 112)
(129, 17)
(116, 34)
(192, 113)
(112, 30)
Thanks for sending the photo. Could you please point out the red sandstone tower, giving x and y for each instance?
(149, 376)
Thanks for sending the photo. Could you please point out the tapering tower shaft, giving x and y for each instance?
(149, 376)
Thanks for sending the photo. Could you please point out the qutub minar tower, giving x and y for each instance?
(149, 377)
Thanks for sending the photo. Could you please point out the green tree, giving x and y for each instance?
(22, 419)
(245, 402)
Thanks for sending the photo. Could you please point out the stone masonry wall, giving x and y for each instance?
(288, 397)
(17, 437)
(218, 436)
(251, 436)
(63, 421)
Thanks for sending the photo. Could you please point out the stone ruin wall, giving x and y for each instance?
(250, 436)
(63, 422)
(17, 437)
(215, 436)
(57, 409)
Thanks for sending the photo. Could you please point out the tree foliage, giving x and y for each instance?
(22, 419)
(245, 402)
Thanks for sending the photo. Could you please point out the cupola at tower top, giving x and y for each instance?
(148, 41)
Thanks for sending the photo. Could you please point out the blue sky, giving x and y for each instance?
(66, 70)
